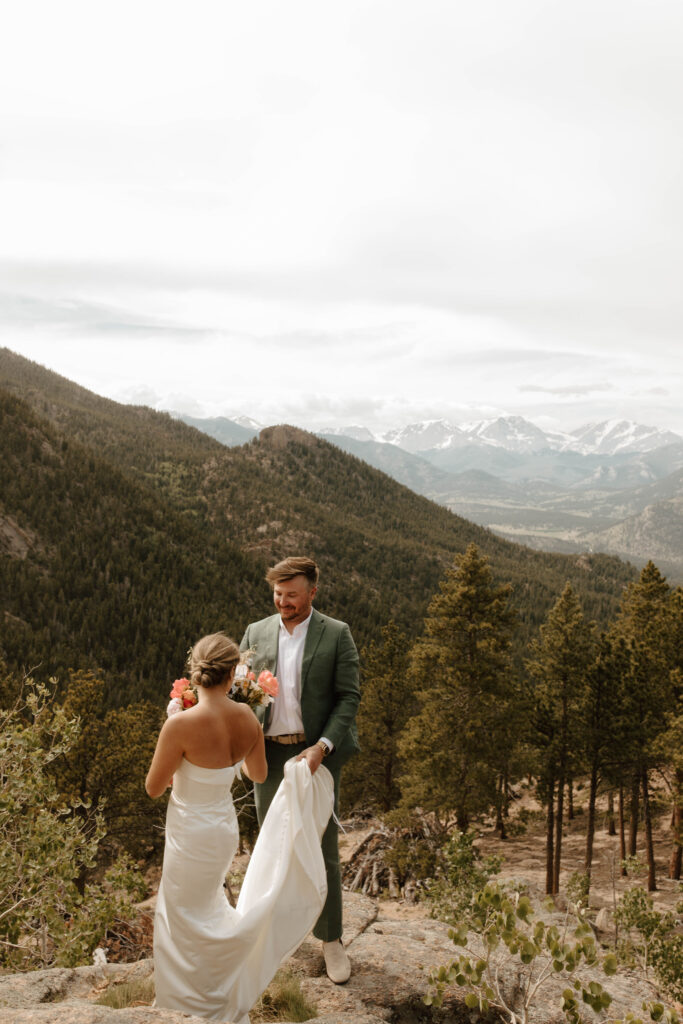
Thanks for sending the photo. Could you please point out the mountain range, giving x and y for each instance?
(125, 534)
(614, 486)
(512, 433)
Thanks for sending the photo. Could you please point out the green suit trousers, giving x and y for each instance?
(328, 927)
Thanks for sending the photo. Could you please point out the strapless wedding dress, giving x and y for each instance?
(211, 959)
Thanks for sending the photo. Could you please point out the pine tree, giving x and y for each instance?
(645, 623)
(454, 749)
(671, 740)
(371, 779)
(599, 713)
(104, 768)
(559, 662)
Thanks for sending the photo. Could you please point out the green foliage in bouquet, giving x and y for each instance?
(50, 913)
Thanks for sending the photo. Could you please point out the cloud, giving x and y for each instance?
(569, 389)
(76, 317)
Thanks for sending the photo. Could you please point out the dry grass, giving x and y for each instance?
(283, 1000)
(129, 993)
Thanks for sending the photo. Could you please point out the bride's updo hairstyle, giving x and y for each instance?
(212, 659)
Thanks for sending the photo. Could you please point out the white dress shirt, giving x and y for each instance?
(286, 715)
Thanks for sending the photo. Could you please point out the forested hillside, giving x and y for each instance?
(140, 532)
(99, 570)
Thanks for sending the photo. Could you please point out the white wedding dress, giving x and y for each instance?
(211, 959)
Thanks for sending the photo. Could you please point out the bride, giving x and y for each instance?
(211, 959)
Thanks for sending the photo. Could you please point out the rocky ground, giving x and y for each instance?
(392, 944)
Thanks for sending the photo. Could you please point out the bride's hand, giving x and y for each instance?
(314, 757)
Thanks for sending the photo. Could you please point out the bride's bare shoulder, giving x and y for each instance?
(243, 714)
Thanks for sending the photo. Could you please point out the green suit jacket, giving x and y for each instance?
(330, 690)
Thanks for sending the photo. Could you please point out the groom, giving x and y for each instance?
(313, 715)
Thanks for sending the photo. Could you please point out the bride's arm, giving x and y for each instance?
(167, 757)
(255, 766)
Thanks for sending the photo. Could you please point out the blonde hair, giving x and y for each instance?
(295, 565)
(212, 659)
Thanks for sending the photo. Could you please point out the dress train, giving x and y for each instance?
(211, 959)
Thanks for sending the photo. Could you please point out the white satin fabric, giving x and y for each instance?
(213, 960)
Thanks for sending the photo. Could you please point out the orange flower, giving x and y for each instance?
(268, 683)
(179, 686)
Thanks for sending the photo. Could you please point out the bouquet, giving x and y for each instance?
(183, 695)
(248, 689)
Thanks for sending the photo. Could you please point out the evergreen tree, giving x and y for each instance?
(104, 768)
(454, 748)
(599, 713)
(559, 662)
(371, 778)
(645, 623)
(671, 740)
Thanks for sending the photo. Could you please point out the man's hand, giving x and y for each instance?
(314, 756)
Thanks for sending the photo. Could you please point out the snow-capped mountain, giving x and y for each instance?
(515, 434)
(420, 437)
(354, 432)
(248, 422)
(620, 436)
(440, 439)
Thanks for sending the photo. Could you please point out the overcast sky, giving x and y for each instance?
(351, 212)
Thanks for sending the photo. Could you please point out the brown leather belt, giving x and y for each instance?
(288, 737)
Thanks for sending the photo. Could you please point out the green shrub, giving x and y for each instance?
(461, 873)
(49, 912)
(652, 941)
(578, 888)
(537, 951)
(520, 823)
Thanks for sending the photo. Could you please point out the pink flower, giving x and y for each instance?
(268, 683)
(179, 686)
(182, 691)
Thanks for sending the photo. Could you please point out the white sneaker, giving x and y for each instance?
(337, 963)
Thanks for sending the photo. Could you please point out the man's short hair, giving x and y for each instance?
(295, 565)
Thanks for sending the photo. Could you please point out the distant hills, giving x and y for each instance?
(597, 489)
(125, 533)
